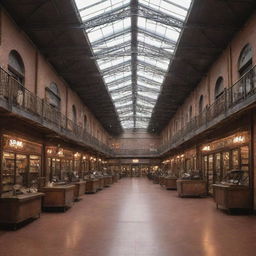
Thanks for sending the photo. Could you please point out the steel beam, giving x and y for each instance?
(108, 17)
(159, 17)
(122, 67)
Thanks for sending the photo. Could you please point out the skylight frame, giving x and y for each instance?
(112, 47)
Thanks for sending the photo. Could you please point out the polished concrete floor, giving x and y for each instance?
(135, 217)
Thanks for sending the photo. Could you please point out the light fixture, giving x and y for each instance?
(60, 152)
(15, 143)
(238, 139)
(49, 151)
(135, 160)
(206, 148)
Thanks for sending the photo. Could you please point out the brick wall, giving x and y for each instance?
(37, 79)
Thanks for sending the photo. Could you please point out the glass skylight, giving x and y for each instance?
(133, 59)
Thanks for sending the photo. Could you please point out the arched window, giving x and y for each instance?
(16, 66)
(85, 121)
(219, 87)
(245, 60)
(74, 116)
(52, 95)
(190, 113)
(201, 104)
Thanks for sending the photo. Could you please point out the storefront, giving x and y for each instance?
(223, 155)
(21, 163)
(61, 163)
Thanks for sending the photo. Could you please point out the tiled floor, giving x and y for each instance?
(135, 217)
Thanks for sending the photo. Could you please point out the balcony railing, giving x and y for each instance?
(241, 91)
(16, 95)
(136, 152)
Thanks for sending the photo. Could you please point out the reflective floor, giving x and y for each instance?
(135, 217)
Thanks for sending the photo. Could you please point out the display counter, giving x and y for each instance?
(107, 181)
(162, 180)
(156, 179)
(191, 188)
(115, 178)
(170, 183)
(16, 209)
(92, 185)
(231, 196)
(101, 182)
(79, 189)
(58, 196)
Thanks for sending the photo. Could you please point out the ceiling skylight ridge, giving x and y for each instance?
(133, 42)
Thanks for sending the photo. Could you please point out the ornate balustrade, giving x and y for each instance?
(15, 95)
(239, 93)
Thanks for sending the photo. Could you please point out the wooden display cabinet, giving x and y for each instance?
(16, 209)
(162, 181)
(191, 188)
(92, 186)
(232, 196)
(115, 178)
(156, 179)
(107, 181)
(58, 196)
(79, 189)
(101, 182)
(170, 183)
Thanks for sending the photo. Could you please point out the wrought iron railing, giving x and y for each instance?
(16, 95)
(242, 90)
(136, 152)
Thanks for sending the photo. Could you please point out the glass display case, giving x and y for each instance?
(225, 162)
(217, 167)
(8, 171)
(21, 163)
(222, 156)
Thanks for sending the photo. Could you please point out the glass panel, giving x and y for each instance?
(245, 158)
(108, 26)
(210, 173)
(21, 170)
(8, 171)
(188, 164)
(235, 159)
(205, 166)
(194, 163)
(34, 169)
(225, 161)
(218, 177)
(56, 173)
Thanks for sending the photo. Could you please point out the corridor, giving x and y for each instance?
(135, 217)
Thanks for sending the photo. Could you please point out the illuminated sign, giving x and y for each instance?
(238, 139)
(206, 148)
(15, 143)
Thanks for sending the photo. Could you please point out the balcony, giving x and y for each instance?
(15, 98)
(234, 99)
(140, 153)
